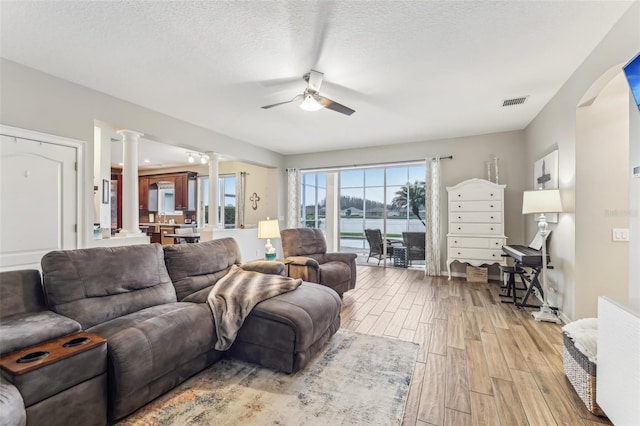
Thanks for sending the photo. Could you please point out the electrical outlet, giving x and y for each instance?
(620, 234)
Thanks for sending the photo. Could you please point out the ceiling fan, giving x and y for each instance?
(311, 99)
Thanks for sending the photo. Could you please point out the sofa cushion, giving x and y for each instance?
(99, 284)
(284, 331)
(197, 267)
(148, 344)
(303, 242)
(29, 329)
(20, 292)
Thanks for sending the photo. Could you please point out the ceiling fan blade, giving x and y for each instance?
(333, 105)
(296, 98)
(315, 80)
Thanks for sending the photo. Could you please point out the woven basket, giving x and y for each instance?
(582, 374)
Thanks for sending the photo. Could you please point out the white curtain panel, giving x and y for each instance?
(432, 201)
(241, 188)
(293, 198)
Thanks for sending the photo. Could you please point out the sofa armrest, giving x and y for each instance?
(30, 329)
(264, 267)
(11, 405)
(303, 261)
(340, 257)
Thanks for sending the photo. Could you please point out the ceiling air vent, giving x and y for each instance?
(514, 101)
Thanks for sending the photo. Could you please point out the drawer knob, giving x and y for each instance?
(491, 217)
(459, 206)
(459, 217)
(492, 195)
(459, 228)
(456, 242)
(458, 195)
(458, 253)
(491, 205)
(492, 228)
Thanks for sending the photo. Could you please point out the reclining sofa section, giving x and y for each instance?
(150, 305)
(283, 332)
(125, 295)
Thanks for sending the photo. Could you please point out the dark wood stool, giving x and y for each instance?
(510, 289)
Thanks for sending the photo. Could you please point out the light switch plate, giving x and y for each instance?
(620, 234)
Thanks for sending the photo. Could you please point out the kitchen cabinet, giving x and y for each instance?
(182, 186)
(185, 191)
(143, 193)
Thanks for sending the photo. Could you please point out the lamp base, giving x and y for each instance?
(545, 314)
(270, 256)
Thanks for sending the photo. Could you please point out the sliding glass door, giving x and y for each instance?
(389, 199)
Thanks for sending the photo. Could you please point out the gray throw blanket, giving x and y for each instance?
(233, 297)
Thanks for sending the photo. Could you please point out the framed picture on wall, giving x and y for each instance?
(545, 176)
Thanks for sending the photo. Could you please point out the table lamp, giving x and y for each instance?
(543, 201)
(268, 229)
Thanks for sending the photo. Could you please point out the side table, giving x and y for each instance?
(286, 263)
(61, 381)
(400, 256)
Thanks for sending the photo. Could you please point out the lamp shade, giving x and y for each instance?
(541, 201)
(268, 229)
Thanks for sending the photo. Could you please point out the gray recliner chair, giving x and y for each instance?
(306, 251)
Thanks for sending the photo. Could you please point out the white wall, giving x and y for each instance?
(41, 102)
(602, 197)
(555, 127)
(469, 156)
(634, 209)
(261, 180)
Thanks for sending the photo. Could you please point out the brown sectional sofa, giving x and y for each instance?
(149, 303)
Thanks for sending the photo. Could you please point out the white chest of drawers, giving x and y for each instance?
(476, 223)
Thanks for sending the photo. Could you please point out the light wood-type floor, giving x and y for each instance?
(481, 362)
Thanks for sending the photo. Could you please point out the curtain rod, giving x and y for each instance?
(373, 165)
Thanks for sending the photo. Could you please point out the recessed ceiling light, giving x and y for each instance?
(147, 161)
(120, 164)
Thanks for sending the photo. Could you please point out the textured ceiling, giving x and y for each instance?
(412, 70)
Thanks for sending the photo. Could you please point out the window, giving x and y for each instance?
(314, 200)
(226, 200)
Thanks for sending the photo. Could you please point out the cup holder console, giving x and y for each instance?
(33, 356)
(77, 342)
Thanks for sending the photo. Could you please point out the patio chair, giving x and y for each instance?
(376, 246)
(415, 243)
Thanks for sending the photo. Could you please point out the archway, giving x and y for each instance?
(602, 192)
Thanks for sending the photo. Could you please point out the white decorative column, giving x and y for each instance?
(212, 221)
(130, 205)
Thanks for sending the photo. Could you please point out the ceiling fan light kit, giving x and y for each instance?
(311, 99)
(310, 103)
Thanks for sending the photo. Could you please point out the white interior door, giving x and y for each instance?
(38, 201)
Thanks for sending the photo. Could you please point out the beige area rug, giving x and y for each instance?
(356, 380)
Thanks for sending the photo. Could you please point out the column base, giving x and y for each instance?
(125, 233)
